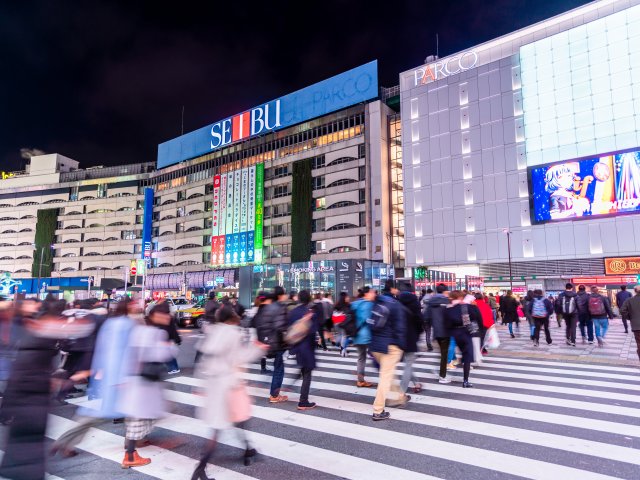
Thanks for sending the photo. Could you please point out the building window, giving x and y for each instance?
(179, 227)
(341, 226)
(182, 195)
(321, 203)
(208, 205)
(318, 182)
(267, 212)
(206, 257)
(317, 225)
(279, 230)
(128, 235)
(363, 242)
(317, 162)
(206, 240)
(361, 150)
(281, 210)
(362, 173)
(102, 190)
(363, 219)
(321, 246)
(279, 172)
(208, 188)
(361, 196)
(280, 191)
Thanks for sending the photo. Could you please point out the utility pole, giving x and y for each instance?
(508, 232)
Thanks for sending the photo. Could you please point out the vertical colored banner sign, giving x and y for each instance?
(251, 214)
(244, 197)
(215, 221)
(223, 218)
(147, 224)
(237, 200)
(257, 235)
(228, 242)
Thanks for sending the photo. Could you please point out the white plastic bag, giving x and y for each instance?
(491, 339)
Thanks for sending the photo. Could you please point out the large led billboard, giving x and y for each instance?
(581, 90)
(586, 188)
(236, 228)
(341, 91)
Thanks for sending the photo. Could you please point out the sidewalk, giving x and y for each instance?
(619, 348)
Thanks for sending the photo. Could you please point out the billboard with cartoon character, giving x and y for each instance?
(590, 187)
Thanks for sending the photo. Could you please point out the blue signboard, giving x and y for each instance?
(147, 224)
(349, 88)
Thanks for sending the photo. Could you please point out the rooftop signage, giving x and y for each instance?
(341, 91)
(443, 68)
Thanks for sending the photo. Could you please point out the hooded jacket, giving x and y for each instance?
(435, 314)
(395, 330)
(559, 306)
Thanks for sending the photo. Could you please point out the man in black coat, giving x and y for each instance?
(414, 328)
(434, 316)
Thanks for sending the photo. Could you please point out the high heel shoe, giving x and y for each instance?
(249, 453)
(200, 474)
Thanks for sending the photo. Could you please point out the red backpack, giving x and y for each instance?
(596, 306)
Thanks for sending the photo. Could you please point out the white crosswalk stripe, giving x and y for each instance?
(575, 421)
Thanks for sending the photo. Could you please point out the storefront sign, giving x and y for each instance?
(445, 67)
(336, 93)
(622, 266)
(6, 175)
(619, 280)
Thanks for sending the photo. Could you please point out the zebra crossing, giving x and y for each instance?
(534, 419)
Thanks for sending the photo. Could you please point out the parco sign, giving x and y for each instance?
(445, 67)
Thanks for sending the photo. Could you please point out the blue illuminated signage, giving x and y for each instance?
(349, 88)
(147, 224)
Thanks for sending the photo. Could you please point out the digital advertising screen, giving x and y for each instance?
(236, 233)
(589, 187)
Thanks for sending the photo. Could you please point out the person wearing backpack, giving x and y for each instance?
(305, 350)
(621, 297)
(600, 311)
(462, 320)
(388, 341)
(361, 308)
(271, 327)
(567, 305)
(586, 324)
(630, 311)
(540, 309)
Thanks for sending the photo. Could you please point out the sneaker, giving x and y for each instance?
(384, 415)
(278, 399)
(572, 344)
(513, 336)
(174, 371)
(363, 384)
(568, 342)
(400, 404)
(584, 340)
(536, 344)
(264, 371)
(306, 405)
(451, 366)
(455, 361)
(590, 342)
(429, 348)
(467, 385)
(444, 380)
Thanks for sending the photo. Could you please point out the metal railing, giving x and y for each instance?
(105, 172)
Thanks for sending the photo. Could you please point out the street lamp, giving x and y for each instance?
(508, 232)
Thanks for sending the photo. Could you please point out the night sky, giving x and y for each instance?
(105, 82)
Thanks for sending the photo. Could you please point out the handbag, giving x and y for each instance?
(472, 327)
(153, 371)
(491, 339)
(239, 404)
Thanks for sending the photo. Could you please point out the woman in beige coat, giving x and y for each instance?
(227, 403)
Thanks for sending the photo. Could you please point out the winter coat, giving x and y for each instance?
(394, 331)
(492, 303)
(413, 318)
(582, 302)
(486, 313)
(210, 309)
(621, 297)
(142, 398)
(273, 320)
(435, 315)
(362, 310)
(547, 305)
(453, 316)
(559, 304)
(224, 356)
(631, 311)
(109, 363)
(509, 309)
(305, 351)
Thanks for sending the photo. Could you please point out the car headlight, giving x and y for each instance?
(186, 315)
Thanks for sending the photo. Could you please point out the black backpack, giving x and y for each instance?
(349, 325)
(378, 317)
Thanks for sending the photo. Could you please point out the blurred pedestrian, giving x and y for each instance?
(631, 311)
(509, 311)
(540, 310)
(406, 297)
(227, 402)
(460, 318)
(434, 315)
(142, 400)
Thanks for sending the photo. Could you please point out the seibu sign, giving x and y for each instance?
(244, 125)
(445, 67)
(622, 266)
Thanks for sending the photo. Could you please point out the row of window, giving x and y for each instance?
(180, 212)
(318, 225)
(10, 230)
(124, 235)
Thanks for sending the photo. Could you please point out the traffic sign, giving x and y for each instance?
(134, 270)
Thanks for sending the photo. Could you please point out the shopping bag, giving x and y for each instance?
(491, 339)
(239, 404)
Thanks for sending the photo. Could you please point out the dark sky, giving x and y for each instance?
(104, 82)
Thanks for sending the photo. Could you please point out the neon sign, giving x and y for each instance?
(6, 175)
(443, 68)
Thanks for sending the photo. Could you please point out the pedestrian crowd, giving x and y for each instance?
(51, 351)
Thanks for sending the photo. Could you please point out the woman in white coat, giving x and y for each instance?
(142, 399)
(227, 403)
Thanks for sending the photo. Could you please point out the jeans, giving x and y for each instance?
(278, 374)
(172, 365)
(306, 385)
(586, 324)
(386, 383)
(542, 322)
(407, 373)
(444, 353)
(601, 326)
(362, 361)
(636, 333)
(452, 350)
(571, 321)
(511, 327)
